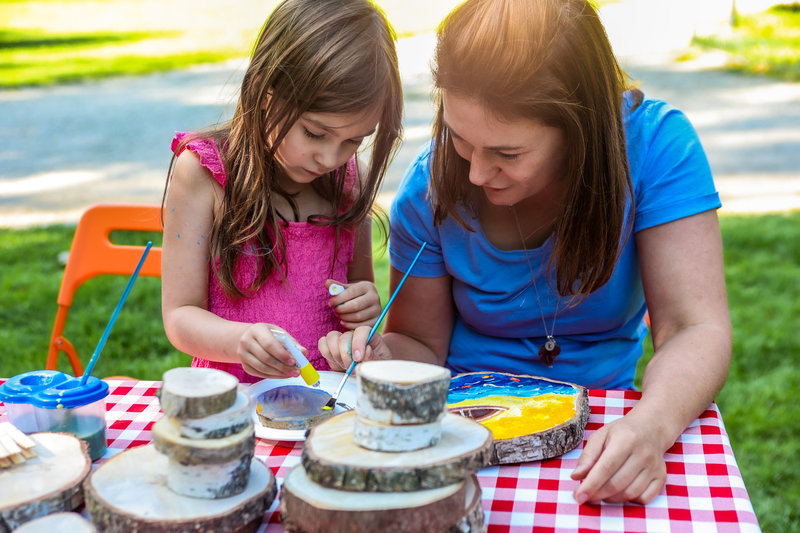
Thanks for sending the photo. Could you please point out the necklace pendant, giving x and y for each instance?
(549, 351)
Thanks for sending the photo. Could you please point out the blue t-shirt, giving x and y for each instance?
(498, 324)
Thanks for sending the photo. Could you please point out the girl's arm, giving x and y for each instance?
(684, 284)
(192, 199)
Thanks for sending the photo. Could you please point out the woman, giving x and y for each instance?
(559, 207)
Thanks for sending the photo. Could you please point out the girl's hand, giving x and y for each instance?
(340, 349)
(357, 305)
(262, 355)
(622, 462)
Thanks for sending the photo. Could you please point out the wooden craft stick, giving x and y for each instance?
(17, 458)
(28, 453)
(19, 437)
(8, 443)
(15, 446)
(3, 452)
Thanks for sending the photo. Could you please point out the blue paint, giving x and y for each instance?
(481, 384)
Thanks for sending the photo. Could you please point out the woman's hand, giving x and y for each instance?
(622, 462)
(262, 355)
(340, 349)
(357, 305)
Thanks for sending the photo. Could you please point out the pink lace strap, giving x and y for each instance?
(206, 150)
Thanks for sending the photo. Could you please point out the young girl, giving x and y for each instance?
(263, 213)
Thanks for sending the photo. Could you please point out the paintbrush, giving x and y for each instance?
(114, 315)
(332, 402)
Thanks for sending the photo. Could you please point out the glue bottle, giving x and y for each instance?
(307, 372)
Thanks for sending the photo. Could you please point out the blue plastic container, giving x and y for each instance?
(16, 393)
(60, 404)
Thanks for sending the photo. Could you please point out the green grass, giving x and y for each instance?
(61, 41)
(765, 43)
(761, 413)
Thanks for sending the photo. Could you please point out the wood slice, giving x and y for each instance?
(58, 523)
(332, 459)
(546, 444)
(383, 437)
(206, 451)
(309, 507)
(129, 492)
(227, 422)
(473, 521)
(188, 392)
(398, 392)
(532, 418)
(293, 407)
(49, 482)
(210, 481)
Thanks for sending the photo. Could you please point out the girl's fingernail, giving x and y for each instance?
(581, 498)
(335, 289)
(357, 355)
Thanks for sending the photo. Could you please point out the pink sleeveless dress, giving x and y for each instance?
(298, 304)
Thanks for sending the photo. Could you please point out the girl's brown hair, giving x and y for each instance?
(551, 61)
(319, 56)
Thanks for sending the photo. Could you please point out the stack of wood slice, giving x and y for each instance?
(206, 432)
(199, 473)
(49, 482)
(399, 462)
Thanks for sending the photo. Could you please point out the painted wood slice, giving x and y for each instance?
(129, 492)
(48, 483)
(332, 458)
(399, 392)
(58, 523)
(232, 420)
(531, 418)
(202, 451)
(307, 506)
(188, 392)
(293, 407)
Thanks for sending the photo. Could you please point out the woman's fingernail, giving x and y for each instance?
(581, 498)
(357, 355)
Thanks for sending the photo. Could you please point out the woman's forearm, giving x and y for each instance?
(683, 377)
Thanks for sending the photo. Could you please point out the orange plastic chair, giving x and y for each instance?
(93, 254)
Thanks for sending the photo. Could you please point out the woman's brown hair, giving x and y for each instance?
(551, 61)
(318, 56)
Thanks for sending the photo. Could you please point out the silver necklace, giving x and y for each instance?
(550, 349)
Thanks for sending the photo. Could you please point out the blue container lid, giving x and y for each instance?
(21, 388)
(71, 393)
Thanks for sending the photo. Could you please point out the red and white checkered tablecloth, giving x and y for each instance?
(704, 490)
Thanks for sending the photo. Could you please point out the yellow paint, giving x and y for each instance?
(524, 415)
(309, 375)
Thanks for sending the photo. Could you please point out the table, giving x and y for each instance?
(704, 490)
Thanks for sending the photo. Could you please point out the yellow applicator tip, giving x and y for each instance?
(310, 375)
